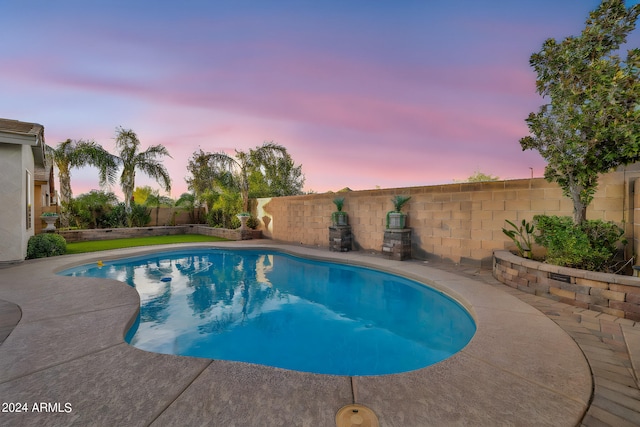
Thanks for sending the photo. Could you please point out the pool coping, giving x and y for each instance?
(519, 369)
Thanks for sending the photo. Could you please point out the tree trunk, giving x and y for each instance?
(65, 195)
(128, 183)
(579, 207)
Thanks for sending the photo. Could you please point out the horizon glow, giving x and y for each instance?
(362, 95)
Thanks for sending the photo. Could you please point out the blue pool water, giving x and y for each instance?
(279, 310)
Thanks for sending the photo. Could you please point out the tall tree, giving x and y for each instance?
(131, 158)
(223, 172)
(75, 154)
(207, 175)
(592, 123)
(276, 176)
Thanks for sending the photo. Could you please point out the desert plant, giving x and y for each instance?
(339, 202)
(46, 245)
(399, 201)
(338, 217)
(521, 236)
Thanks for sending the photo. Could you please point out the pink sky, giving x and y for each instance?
(361, 93)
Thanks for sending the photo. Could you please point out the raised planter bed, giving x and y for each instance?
(608, 293)
(73, 236)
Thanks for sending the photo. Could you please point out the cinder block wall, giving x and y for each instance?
(455, 222)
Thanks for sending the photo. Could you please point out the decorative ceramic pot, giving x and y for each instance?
(243, 221)
(51, 222)
(396, 220)
(339, 218)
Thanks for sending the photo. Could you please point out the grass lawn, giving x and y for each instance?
(103, 245)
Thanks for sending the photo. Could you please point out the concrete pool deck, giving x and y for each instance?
(68, 351)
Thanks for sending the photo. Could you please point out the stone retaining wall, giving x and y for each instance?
(608, 293)
(121, 233)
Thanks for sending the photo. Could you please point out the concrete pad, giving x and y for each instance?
(240, 394)
(38, 345)
(463, 390)
(119, 386)
(10, 315)
(74, 295)
(538, 352)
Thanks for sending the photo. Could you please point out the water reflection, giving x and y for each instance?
(290, 312)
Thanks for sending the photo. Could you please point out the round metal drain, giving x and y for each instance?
(356, 416)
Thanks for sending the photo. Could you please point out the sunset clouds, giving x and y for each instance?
(361, 93)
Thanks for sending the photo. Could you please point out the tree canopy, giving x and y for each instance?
(591, 124)
(76, 154)
(131, 158)
(267, 170)
(479, 176)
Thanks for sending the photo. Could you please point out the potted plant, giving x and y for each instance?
(395, 218)
(50, 218)
(338, 217)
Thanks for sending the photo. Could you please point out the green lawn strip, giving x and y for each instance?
(103, 245)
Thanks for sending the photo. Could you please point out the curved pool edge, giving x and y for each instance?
(520, 368)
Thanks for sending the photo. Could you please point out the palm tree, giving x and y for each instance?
(75, 154)
(131, 158)
(244, 163)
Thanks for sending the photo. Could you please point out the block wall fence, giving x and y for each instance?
(459, 222)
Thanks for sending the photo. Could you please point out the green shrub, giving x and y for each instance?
(253, 222)
(139, 215)
(591, 245)
(115, 217)
(46, 245)
(214, 218)
(604, 235)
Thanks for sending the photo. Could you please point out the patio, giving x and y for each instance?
(521, 368)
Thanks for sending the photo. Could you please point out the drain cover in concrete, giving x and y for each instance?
(356, 416)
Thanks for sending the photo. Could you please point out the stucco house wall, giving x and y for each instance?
(22, 160)
(13, 231)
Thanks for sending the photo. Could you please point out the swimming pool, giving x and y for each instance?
(270, 308)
